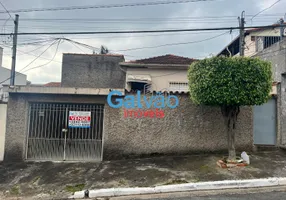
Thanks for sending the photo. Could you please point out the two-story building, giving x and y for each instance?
(267, 130)
(256, 40)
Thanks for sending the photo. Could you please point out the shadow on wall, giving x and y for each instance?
(3, 111)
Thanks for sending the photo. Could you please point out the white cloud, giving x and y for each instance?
(181, 12)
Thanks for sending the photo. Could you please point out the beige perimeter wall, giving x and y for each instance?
(3, 111)
(186, 129)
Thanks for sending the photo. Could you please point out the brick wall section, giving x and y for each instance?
(92, 71)
(185, 129)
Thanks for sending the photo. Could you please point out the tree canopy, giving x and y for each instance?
(230, 81)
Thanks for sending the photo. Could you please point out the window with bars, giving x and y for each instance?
(269, 41)
(178, 86)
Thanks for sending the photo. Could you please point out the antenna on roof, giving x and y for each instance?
(104, 50)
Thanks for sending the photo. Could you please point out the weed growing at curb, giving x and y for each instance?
(176, 181)
(74, 188)
(15, 190)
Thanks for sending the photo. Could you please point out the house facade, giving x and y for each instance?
(267, 129)
(75, 120)
(276, 55)
(256, 40)
(167, 73)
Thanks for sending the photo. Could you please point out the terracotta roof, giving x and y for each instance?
(165, 59)
(52, 84)
(259, 29)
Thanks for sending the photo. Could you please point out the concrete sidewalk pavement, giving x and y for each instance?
(53, 180)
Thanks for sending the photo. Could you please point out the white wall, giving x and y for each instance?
(160, 77)
(3, 110)
(250, 46)
(20, 79)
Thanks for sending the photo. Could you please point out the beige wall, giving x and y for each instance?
(160, 77)
(3, 110)
(250, 46)
(188, 128)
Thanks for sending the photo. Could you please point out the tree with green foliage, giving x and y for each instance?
(230, 82)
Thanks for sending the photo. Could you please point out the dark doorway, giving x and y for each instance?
(135, 86)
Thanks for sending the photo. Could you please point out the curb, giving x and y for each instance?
(213, 185)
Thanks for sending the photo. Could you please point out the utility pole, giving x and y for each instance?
(241, 33)
(12, 79)
(281, 21)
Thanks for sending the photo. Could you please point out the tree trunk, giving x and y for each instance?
(230, 114)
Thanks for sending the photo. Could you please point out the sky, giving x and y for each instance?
(208, 14)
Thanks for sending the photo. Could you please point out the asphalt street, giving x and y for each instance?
(258, 196)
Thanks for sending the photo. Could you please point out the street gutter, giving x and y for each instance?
(213, 185)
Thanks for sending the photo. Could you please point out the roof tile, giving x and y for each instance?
(165, 59)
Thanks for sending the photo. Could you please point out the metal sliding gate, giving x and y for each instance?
(65, 132)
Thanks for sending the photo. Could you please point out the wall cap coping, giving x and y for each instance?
(61, 90)
(155, 66)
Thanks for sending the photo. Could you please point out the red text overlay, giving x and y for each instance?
(134, 113)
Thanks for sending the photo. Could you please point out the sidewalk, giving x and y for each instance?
(61, 180)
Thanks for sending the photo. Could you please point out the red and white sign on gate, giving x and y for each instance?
(79, 119)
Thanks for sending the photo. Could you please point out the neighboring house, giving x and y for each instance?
(273, 114)
(20, 79)
(162, 73)
(267, 44)
(92, 71)
(256, 40)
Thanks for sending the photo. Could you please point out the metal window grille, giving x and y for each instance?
(178, 86)
(269, 41)
(50, 138)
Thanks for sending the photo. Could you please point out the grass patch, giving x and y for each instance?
(205, 169)
(176, 181)
(15, 190)
(75, 188)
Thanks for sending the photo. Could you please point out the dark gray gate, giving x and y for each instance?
(50, 138)
(265, 123)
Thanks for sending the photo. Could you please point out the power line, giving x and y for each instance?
(49, 61)
(75, 44)
(17, 73)
(202, 18)
(39, 55)
(10, 17)
(174, 44)
(5, 10)
(91, 47)
(265, 9)
(154, 3)
(143, 31)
